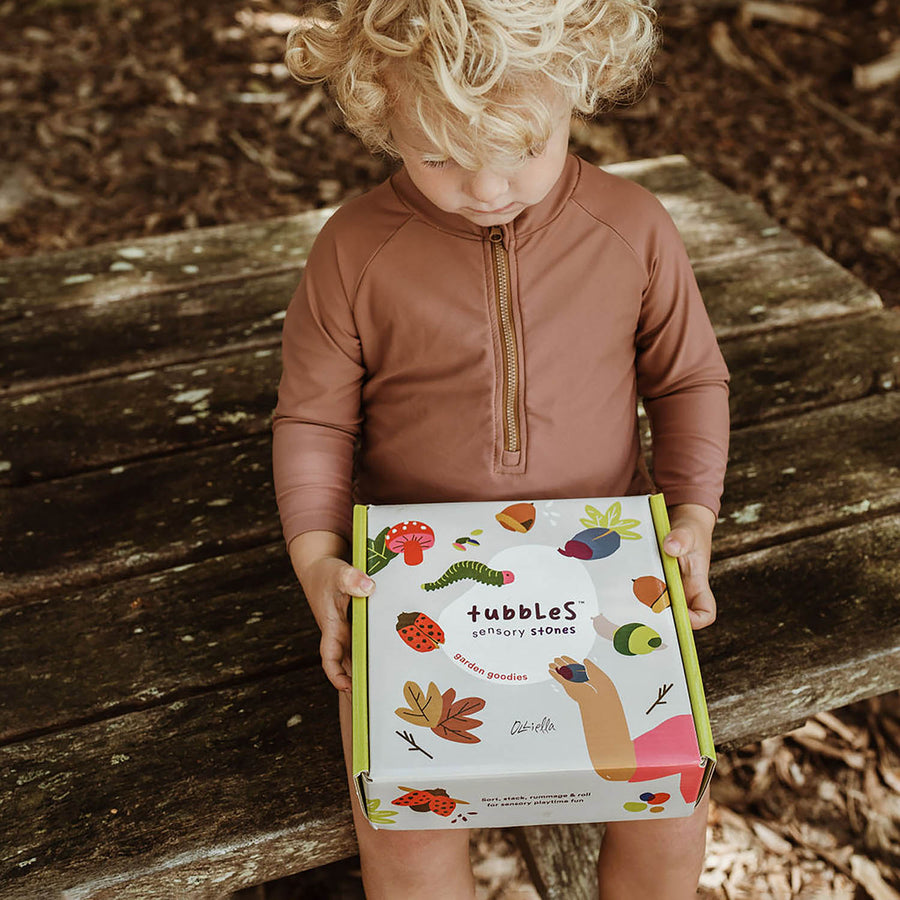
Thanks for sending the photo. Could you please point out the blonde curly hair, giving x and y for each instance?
(480, 78)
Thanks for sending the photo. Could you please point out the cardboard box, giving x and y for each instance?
(524, 663)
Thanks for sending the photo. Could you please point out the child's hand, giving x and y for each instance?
(690, 542)
(329, 582)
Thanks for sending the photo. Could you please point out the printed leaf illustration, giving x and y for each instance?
(377, 553)
(381, 816)
(613, 520)
(423, 708)
(455, 723)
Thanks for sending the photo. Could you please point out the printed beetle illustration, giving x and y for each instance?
(421, 632)
(435, 800)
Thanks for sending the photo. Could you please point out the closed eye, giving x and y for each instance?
(435, 163)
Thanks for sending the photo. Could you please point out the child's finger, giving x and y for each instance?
(333, 656)
(702, 609)
(678, 542)
(354, 582)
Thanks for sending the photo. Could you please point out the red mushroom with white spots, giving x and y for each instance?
(410, 539)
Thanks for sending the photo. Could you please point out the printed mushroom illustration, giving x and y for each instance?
(410, 539)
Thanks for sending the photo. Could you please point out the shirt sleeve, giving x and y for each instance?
(682, 377)
(317, 417)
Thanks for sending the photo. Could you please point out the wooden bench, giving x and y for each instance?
(165, 729)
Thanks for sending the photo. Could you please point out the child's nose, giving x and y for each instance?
(486, 185)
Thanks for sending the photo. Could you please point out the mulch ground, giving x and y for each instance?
(121, 119)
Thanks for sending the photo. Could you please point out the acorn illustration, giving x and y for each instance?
(633, 639)
(517, 517)
(652, 592)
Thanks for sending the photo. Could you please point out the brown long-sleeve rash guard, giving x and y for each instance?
(429, 359)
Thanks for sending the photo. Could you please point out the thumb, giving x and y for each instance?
(678, 542)
(354, 582)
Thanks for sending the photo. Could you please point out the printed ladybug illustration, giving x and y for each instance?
(435, 800)
(417, 800)
(421, 632)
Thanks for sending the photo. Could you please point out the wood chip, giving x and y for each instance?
(771, 840)
(725, 48)
(853, 758)
(783, 13)
(866, 874)
(857, 738)
(874, 75)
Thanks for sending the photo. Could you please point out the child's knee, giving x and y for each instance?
(405, 862)
(665, 841)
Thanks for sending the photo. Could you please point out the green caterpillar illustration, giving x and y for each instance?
(470, 568)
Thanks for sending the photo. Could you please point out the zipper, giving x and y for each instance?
(500, 258)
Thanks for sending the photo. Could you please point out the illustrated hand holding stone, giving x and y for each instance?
(606, 732)
(581, 681)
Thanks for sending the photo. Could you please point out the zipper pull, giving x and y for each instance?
(495, 235)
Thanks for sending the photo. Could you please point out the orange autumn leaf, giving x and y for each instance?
(456, 723)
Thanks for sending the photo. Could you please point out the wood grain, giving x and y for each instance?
(149, 640)
(191, 799)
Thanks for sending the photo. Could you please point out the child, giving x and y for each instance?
(480, 327)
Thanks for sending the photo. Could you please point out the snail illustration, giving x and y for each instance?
(633, 639)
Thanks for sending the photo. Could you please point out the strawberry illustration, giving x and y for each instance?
(419, 631)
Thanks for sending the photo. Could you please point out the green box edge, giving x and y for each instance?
(689, 659)
(360, 647)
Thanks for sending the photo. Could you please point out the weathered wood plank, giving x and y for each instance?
(839, 464)
(230, 397)
(782, 372)
(145, 332)
(114, 272)
(787, 286)
(150, 640)
(63, 430)
(562, 859)
(111, 273)
(713, 220)
(136, 518)
(803, 627)
(819, 470)
(193, 799)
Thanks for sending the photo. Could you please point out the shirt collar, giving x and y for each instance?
(530, 219)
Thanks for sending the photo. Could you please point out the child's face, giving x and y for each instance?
(487, 196)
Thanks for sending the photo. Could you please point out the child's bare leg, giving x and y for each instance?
(654, 858)
(407, 864)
